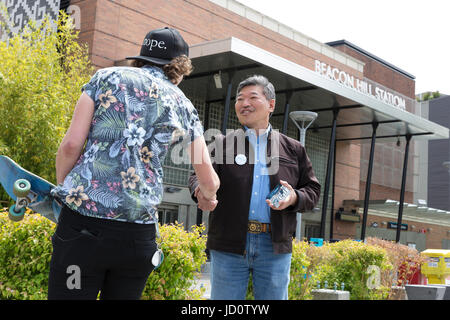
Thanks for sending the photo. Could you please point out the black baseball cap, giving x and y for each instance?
(160, 46)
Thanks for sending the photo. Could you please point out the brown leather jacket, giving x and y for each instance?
(287, 160)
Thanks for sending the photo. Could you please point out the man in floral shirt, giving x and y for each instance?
(109, 170)
(120, 173)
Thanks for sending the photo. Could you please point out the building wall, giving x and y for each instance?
(382, 74)
(439, 152)
(388, 157)
(346, 184)
(424, 235)
(422, 149)
(115, 29)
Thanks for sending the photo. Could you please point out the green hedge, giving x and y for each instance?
(42, 71)
(345, 262)
(184, 254)
(354, 263)
(25, 252)
(367, 270)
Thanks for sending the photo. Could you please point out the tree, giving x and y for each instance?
(428, 96)
(42, 71)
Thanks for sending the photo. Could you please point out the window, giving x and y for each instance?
(312, 231)
(168, 215)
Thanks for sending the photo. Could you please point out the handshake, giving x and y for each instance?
(288, 199)
(204, 203)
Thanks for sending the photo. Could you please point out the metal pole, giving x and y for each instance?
(199, 217)
(286, 112)
(332, 194)
(207, 116)
(306, 118)
(368, 181)
(402, 190)
(286, 117)
(227, 101)
(327, 178)
(227, 108)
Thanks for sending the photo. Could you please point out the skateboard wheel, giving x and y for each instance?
(21, 188)
(16, 216)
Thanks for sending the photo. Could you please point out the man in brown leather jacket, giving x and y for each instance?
(247, 233)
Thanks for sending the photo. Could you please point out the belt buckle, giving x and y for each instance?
(254, 226)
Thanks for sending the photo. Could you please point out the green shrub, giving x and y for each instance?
(350, 263)
(405, 261)
(428, 96)
(305, 261)
(184, 254)
(25, 253)
(41, 75)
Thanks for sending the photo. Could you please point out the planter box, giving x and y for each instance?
(398, 293)
(328, 294)
(447, 291)
(425, 292)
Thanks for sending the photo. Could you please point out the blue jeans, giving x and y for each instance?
(270, 272)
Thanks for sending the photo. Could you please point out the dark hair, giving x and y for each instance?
(179, 66)
(258, 80)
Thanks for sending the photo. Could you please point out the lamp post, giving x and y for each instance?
(306, 118)
(302, 120)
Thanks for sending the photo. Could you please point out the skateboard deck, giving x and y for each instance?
(35, 195)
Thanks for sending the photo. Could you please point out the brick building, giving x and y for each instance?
(352, 91)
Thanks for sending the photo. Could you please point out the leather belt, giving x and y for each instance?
(258, 227)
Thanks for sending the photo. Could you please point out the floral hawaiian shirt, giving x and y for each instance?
(138, 114)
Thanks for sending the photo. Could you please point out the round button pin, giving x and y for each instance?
(240, 159)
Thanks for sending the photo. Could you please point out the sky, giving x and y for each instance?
(411, 35)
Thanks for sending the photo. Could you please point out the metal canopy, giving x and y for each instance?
(303, 89)
(410, 211)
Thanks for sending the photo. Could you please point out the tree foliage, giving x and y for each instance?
(428, 96)
(42, 71)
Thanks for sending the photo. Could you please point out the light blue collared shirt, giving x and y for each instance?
(259, 209)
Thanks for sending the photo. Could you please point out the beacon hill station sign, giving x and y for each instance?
(361, 86)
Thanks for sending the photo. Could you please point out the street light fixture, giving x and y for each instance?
(302, 120)
(306, 118)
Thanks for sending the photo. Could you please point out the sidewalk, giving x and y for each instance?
(203, 281)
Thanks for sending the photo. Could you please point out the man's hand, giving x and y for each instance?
(290, 200)
(204, 203)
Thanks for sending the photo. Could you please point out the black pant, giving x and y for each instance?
(92, 255)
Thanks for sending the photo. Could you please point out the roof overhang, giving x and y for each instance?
(389, 208)
(236, 59)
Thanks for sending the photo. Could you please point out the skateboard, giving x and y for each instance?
(28, 191)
